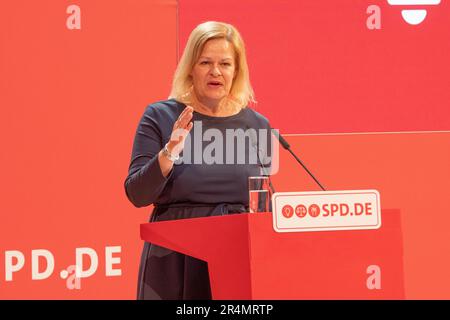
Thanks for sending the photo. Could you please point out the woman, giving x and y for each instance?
(180, 173)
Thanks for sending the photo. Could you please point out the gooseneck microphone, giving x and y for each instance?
(286, 146)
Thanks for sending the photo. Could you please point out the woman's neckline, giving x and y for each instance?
(207, 116)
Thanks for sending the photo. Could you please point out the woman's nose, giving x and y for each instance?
(215, 71)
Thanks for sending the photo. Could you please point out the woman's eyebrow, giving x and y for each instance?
(208, 58)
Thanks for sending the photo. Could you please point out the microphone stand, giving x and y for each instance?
(286, 146)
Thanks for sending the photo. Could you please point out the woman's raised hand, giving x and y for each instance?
(180, 130)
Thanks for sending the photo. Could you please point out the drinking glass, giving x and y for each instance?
(259, 194)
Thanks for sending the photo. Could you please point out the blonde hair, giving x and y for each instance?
(241, 90)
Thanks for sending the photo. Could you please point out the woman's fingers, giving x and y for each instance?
(181, 128)
(184, 119)
(189, 127)
(186, 110)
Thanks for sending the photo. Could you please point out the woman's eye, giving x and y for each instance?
(227, 64)
(204, 62)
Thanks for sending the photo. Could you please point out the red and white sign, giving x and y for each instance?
(326, 210)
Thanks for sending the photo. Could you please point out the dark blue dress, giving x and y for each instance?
(196, 187)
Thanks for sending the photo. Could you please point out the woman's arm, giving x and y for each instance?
(150, 170)
(145, 181)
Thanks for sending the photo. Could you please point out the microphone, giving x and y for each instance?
(286, 146)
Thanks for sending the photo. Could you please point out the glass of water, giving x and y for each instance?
(259, 194)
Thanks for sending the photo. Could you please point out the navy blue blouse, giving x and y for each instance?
(196, 187)
(223, 182)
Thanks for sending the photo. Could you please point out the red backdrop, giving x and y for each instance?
(316, 67)
(71, 101)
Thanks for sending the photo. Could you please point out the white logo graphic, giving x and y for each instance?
(326, 210)
(414, 16)
(15, 262)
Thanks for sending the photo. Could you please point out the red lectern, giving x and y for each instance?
(247, 259)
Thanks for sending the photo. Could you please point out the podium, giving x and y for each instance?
(248, 260)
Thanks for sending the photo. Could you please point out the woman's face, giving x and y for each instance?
(213, 73)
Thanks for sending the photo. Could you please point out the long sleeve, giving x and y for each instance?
(145, 181)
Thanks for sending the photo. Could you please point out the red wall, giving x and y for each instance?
(316, 67)
(411, 172)
(70, 103)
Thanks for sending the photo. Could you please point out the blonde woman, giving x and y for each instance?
(185, 159)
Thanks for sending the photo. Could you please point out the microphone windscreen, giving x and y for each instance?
(280, 138)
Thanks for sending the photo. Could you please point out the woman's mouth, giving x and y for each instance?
(215, 84)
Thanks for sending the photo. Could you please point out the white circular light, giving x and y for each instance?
(414, 17)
